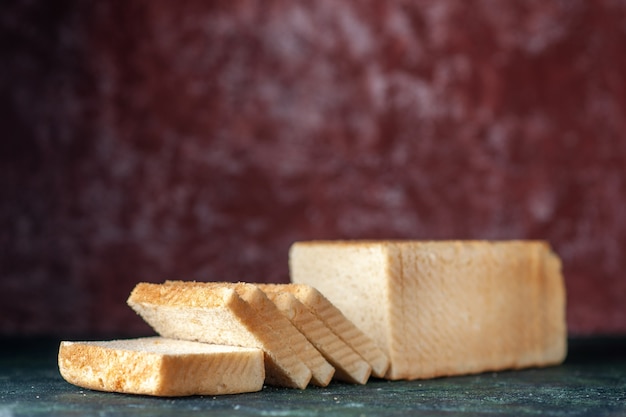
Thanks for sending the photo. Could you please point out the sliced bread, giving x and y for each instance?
(218, 315)
(342, 326)
(160, 366)
(349, 365)
(282, 329)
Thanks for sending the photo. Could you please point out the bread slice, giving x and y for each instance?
(283, 330)
(163, 367)
(445, 307)
(349, 365)
(339, 324)
(218, 315)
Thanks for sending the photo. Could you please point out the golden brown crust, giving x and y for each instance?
(178, 297)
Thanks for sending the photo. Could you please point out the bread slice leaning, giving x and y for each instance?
(349, 365)
(218, 315)
(160, 366)
(343, 327)
(282, 329)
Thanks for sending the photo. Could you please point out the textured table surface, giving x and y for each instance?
(592, 382)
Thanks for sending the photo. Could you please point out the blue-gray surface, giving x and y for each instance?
(592, 382)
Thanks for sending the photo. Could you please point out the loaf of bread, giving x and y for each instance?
(444, 307)
(163, 367)
(218, 314)
(349, 365)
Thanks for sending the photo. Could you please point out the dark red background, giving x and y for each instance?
(153, 140)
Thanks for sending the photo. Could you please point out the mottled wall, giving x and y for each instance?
(151, 140)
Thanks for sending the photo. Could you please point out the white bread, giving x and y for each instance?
(345, 329)
(284, 331)
(446, 307)
(349, 365)
(218, 315)
(163, 367)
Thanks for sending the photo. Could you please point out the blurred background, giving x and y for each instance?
(151, 140)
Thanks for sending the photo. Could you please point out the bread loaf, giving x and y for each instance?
(349, 365)
(163, 367)
(446, 307)
(218, 315)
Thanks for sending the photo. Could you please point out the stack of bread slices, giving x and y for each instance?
(409, 310)
(221, 338)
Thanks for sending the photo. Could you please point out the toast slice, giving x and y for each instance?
(218, 315)
(349, 365)
(441, 308)
(284, 331)
(343, 327)
(161, 367)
